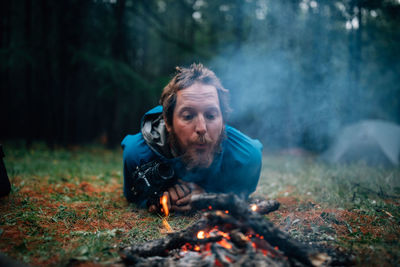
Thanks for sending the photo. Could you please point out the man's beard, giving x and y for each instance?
(196, 158)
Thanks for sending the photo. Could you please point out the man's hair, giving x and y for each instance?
(186, 77)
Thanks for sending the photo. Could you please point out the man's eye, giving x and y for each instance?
(187, 117)
(210, 116)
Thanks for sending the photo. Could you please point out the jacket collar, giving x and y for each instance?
(155, 133)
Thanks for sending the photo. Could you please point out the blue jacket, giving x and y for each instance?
(236, 169)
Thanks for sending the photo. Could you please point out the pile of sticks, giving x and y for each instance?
(235, 236)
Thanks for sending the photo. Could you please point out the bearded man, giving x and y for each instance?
(188, 131)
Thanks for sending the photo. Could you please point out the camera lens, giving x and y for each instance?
(165, 171)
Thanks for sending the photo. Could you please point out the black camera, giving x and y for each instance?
(150, 180)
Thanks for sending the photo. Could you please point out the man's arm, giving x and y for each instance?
(136, 152)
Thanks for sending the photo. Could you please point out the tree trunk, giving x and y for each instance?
(31, 123)
(5, 30)
(119, 47)
(47, 78)
(238, 26)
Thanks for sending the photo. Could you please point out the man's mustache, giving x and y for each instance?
(202, 140)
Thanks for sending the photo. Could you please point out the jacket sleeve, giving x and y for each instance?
(136, 153)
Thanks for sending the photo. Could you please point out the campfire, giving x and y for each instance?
(230, 233)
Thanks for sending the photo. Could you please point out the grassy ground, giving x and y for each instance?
(67, 205)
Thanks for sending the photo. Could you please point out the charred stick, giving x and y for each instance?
(238, 238)
(282, 240)
(223, 255)
(265, 206)
(253, 258)
(229, 202)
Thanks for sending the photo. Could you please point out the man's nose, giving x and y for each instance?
(201, 127)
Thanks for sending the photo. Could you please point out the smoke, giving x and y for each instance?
(270, 100)
(292, 83)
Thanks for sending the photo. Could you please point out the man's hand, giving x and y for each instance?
(179, 196)
(183, 202)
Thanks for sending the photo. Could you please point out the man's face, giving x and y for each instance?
(197, 125)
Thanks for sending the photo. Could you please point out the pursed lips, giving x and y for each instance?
(200, 146)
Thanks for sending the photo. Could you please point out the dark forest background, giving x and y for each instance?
(83, 71)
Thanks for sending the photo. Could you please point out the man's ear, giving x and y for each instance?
(167, 126)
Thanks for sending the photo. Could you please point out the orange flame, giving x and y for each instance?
(226, 235)
(200, 235)
(166, 225)
(186, 247)
(225, 244)
(255, 240)
(163, 202)
(253, 207)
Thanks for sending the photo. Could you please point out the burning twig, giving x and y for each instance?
(165, 210)
(264, 206)
(166, 225)
(164, 205)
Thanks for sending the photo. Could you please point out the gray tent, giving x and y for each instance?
(375, 142)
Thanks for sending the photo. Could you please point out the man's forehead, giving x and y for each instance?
(199, 92)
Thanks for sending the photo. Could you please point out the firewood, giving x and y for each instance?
(236, 236)
(265, 206)
(239, 239)
(238, 208)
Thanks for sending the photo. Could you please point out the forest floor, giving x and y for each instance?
(66, 206)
